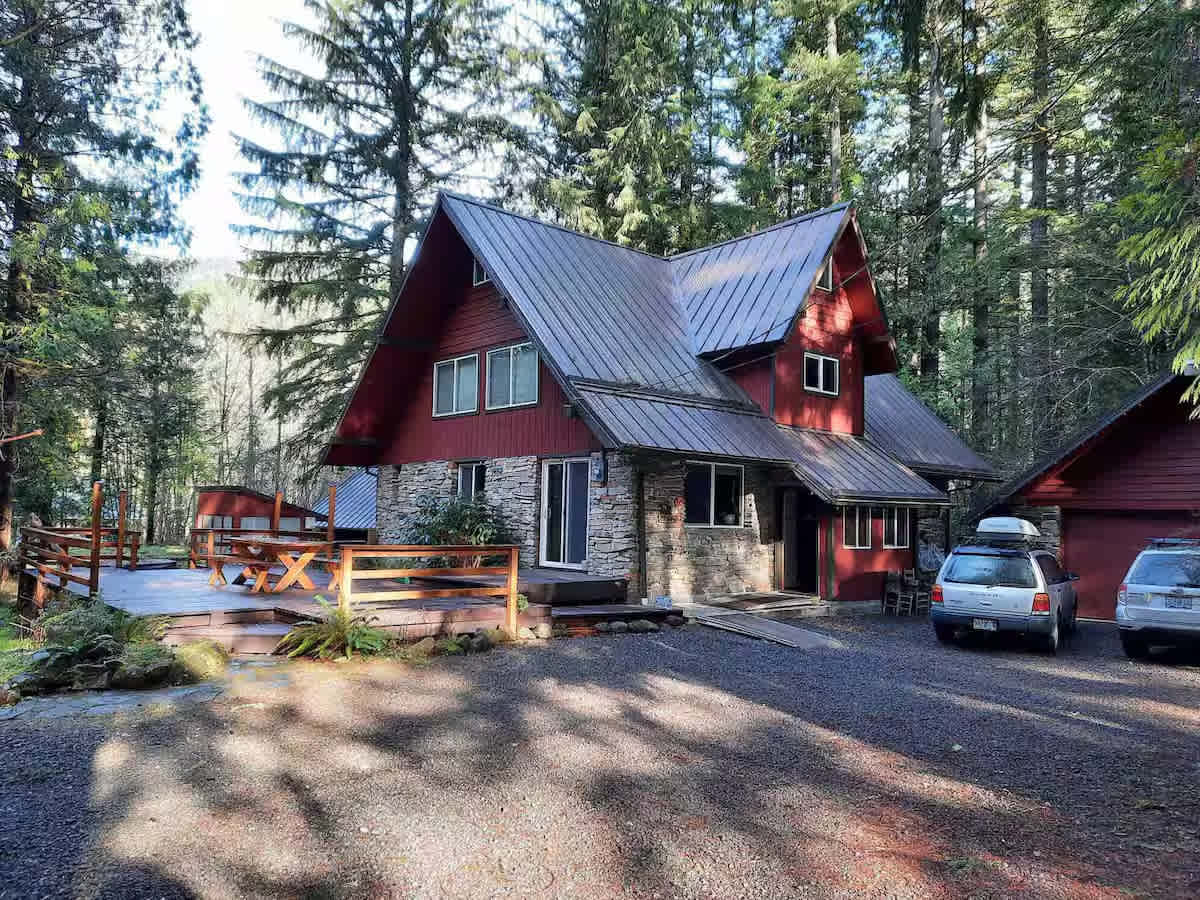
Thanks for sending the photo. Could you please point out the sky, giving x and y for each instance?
(232, 33)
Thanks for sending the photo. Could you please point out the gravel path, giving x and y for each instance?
(693, 764)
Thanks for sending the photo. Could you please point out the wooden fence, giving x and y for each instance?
(350, 570)
(61, 552)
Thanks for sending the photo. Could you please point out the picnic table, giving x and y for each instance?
(293, 554)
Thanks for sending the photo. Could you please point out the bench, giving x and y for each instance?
(333, 566)
(260, 569)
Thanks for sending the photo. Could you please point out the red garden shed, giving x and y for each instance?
(1131, 476)
(236, 506)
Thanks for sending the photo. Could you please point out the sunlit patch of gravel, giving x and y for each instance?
(691, 763)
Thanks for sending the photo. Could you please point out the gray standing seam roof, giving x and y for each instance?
(747, 290)
(900, 423)
(355, 506)
(838, 468)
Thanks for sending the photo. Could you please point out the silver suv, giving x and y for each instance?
(1159, 599)
(1002, 581)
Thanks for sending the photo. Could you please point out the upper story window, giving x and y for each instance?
(895, 528)
(825, 279)
(856, 527)
(472, 477)
(456, 385)
(512, 376)
(821, 374)
(479, 274)
(712, 494)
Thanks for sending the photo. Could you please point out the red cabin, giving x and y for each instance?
(235, 506)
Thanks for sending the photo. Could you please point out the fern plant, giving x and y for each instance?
(337, 633)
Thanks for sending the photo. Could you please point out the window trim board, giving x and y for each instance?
(821, 360)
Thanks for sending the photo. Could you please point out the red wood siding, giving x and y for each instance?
(860, 574)
(827, 328)
(755, 379)
(231, 503)
(1149, 460)
(1100, 547)
(478, 321)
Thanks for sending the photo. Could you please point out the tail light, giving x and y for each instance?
(1122, 594)
(936, 595)
(1041, 603)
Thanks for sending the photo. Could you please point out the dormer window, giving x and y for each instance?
(821, 374)
(479, 274)
(825, 279)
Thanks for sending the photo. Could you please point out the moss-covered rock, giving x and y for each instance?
(199, 661)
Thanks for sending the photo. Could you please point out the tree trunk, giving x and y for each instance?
(1039, 289)
(981, 373)
(931, 327)
(98, 433)
(402, 159)
(835, 116)
(1016, 352)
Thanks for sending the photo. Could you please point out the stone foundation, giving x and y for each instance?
(681, 561)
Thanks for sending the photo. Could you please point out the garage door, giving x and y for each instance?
(1100, 546)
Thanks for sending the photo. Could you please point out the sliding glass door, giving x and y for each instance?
(564, 512)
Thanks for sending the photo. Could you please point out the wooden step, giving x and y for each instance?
(252, 638)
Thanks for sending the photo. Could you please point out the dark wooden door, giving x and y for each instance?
(799, 531)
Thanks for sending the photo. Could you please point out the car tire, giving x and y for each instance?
(1051, 641)
(945, 633)
(1135, 647)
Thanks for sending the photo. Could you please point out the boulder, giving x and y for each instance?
(479, 642)
(642, 626)
(618, 627)
(92, 676)
(199, 661)
(134, 675)
(27, 684)
(525, 633)
(544, 631)
(675, 620)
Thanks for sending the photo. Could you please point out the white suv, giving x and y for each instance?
(1159, 599)
(1003, 582)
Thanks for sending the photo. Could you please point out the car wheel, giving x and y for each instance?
(1135, 647)
(945, 633)
(1050, 641)
(1074, 625)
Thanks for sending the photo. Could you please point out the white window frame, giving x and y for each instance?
(712, 494)
(825, 279)
(543, 513)
(898, 515)
(822, 389)
(512, 377)
(479, 274)
(859, 511)
(456, 411)
(464, 469)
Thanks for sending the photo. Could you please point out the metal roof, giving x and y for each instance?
(600, 311)
(901, 424)
(748, 290)
(355, 506)
(251, 492)
(838, 468)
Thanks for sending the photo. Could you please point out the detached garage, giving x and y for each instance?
(1132, 476)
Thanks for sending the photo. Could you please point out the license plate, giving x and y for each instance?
(983, 624)
(1179, 603)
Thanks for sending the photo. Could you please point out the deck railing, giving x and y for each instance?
(205, 543)
(352, 569)
(59, 552)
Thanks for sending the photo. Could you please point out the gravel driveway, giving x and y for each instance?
(693, 763)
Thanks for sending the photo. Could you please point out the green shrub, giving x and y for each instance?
(338, 633)
(145, 654)
(200, 660)
(81, 623)
(457, 521)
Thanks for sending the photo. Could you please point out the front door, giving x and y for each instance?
(800, 544)
(564, 512)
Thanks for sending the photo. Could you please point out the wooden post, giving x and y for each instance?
(122, 506)
(212, 547)
(133, 552)
(94, 562)
(346, 574)
(275, 513)
(332, 507)
(511, 617)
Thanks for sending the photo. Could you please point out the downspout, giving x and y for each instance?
(639, 502)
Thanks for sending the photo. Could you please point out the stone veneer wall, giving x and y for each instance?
(688, 561)
(680, 561)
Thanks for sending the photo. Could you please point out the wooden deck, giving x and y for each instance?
(253, 623)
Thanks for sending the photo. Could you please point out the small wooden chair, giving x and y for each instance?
(891, 593)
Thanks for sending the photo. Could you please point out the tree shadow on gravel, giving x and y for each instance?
(690, 764)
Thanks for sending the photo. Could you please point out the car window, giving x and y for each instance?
(994, 571)
(1166, 570)
(1051, 569)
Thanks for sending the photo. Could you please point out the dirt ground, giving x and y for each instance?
(691, 763)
